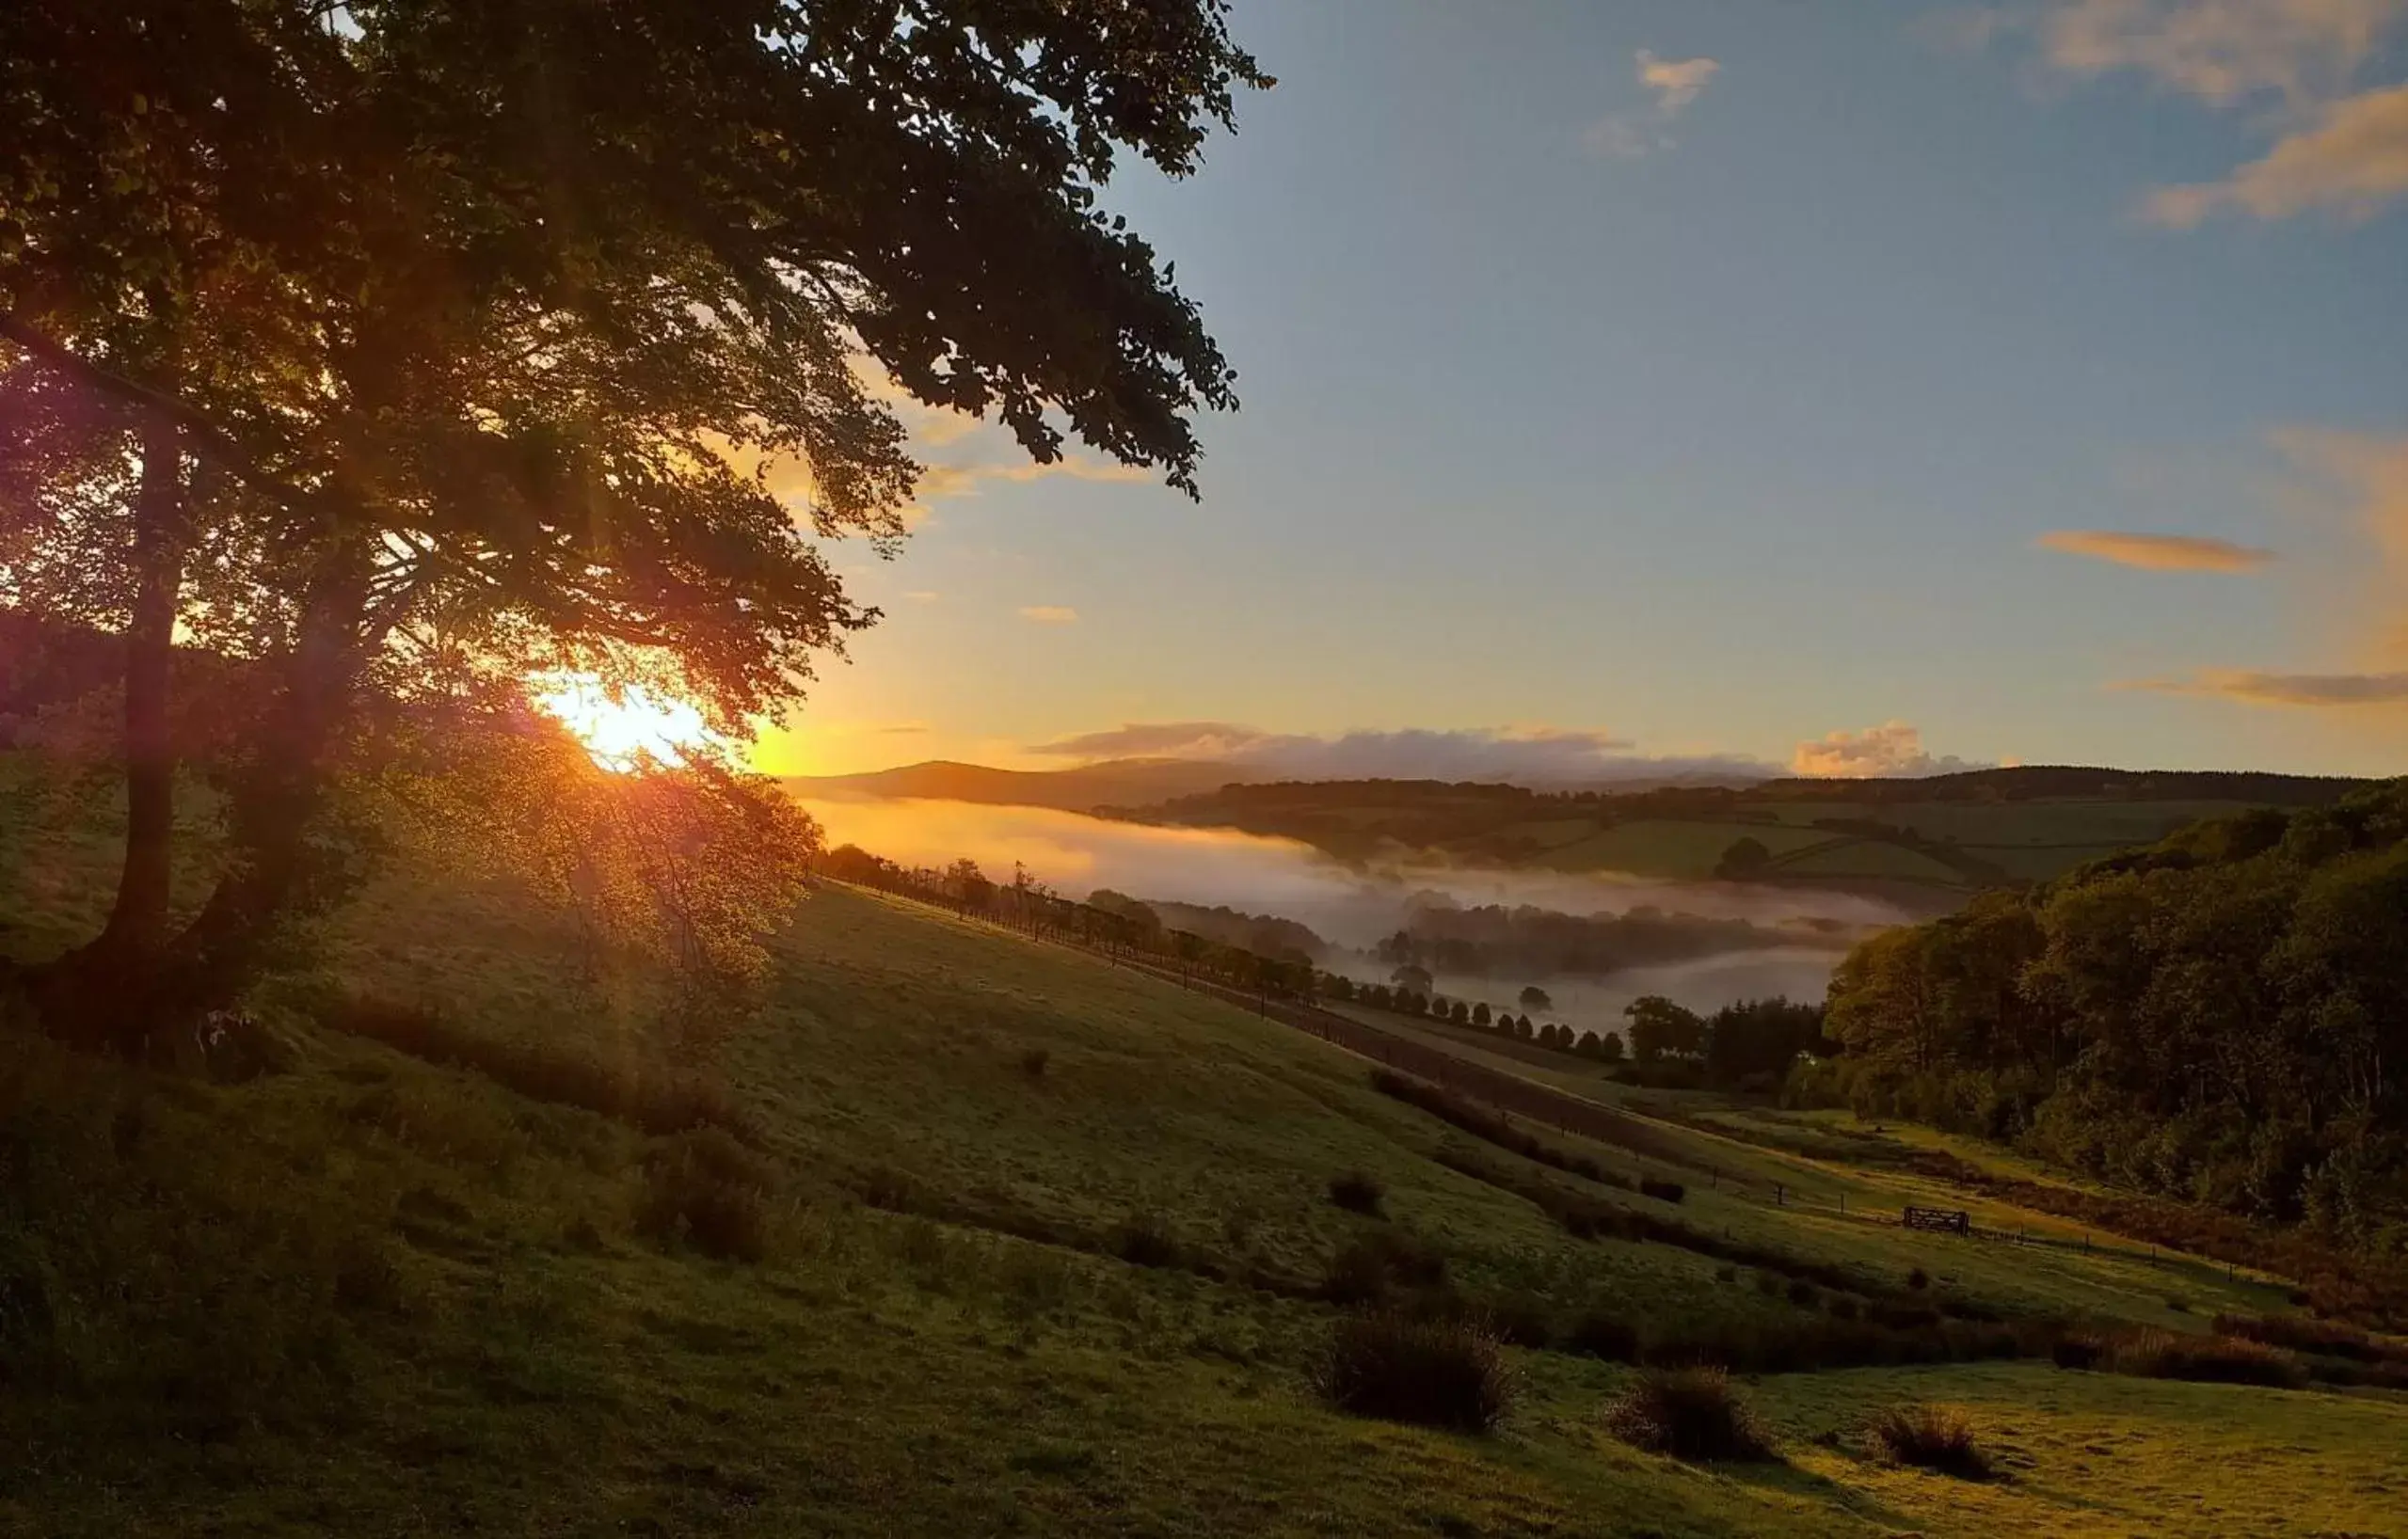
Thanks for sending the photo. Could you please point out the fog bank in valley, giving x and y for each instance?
(1076, 855)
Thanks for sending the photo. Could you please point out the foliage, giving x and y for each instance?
(1429, 1373)
(1358, 1192)
(1937, 1437)
(2219, 1018)
(705, 1190)
(1688, 1413)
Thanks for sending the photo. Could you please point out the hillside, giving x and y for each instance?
(1947, 834)
(1007, 1239)
(1081, 789)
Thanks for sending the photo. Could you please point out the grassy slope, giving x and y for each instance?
(371, 1295)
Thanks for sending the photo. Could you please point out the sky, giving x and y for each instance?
(1860, 389)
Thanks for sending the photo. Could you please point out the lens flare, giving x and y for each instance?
(626, 729)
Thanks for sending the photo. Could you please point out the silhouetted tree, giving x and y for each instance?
(1535, 998)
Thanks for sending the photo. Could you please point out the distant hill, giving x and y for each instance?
(1113, 783)
(1946, 835)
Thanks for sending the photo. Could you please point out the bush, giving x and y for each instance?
(1141, 1239)
(2209, 1360)
(2076, 1352)
(1918, 1279)
(1370, 1266)
(1804, 1294)
(1034, 1062)
(1357, 1192)
(705, 1190)
(1935, 1438)
(2325, 1337)
(1429, 1372)
(1519, 1320)
(1688, 1413)
(1603, 1336)
(1663, 1191)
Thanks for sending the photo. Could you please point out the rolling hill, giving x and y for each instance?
(1084, 788)
(968, 1233)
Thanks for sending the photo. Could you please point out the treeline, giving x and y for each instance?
(1267, 934)
(1749, 1046)
(1494, 940)
(2220, 1017)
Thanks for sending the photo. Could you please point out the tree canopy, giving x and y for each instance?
(427, 343)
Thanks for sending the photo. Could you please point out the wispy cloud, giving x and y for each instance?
(1674, 84)
(2157, 552)
(1525, 756)
(1050, 615)
(2352, 162)
(2256, 687)
(1891, 750)
(2296, 65)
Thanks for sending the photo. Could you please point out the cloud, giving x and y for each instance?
(1050, 615)
(922, 595)
(1891, 751)
(902, 729)
(1675, 84)
(2255, 687)
(2157, 552)
(1529, 756)
(2222, 51)
(2349, 162)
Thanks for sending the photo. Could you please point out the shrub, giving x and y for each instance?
(1918, 1279)
(1141, 1239)
(2178, 1304)
(1357, 1192)
(1663, 1191)
(1368, 1267)
(1603, 1336)
(1034, 1062)
(1804, 1294)
(2210, 1360)
(1842, 1305)
(705, 1190)
(1936, 1438)
(2076, 1352)
(1429, 1373)
(2325, 1337)
(1689, 1413)
(1519, 1320)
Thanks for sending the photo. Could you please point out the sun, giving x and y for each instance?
(625, 733)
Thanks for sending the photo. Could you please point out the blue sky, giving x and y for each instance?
(1598, 394)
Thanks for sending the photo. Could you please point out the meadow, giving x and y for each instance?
(968, 1232)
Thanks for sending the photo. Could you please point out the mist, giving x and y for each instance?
(1075, 854)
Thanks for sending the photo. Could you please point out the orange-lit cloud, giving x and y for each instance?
(1891, 750)
(2350, 162)
(1050, 615)
(2256, 687)
(2222, 51)
(1674, 84)
(2157, 552)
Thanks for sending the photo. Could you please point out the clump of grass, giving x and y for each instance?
(1143, 1240)
(2178, 1304)
(2081, 1350)
(1372, 1266)
(2325, 1337)
(1688, 1413)
(1603, 1336)
(1935, 1438)
(1034, 1062)
(1446, 1373)
(705, 1190)
(1918, 1279)
(2210, 1360)
(1358, 1192)
(1804, 1294)
(656, 1101)
(1663, 1191)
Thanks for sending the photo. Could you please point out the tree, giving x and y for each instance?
(478, 390)
(1660, 1028)
(1610, 1049)
(1521, 1027)
(1480, 1015)
(1410, 975)
(1460, 1013)
(1744, 860)
(1535, 998)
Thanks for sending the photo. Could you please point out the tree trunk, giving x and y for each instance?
(139, 920)
(89, 992)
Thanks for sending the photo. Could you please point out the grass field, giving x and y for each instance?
(370, 1295)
